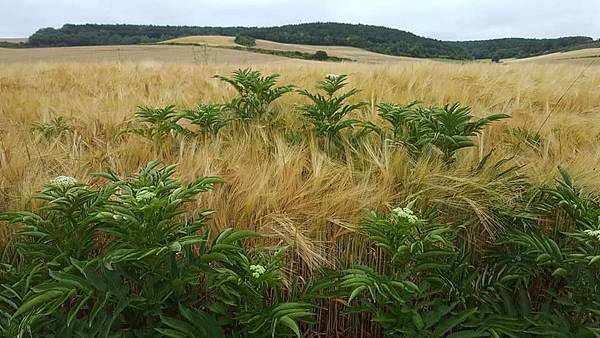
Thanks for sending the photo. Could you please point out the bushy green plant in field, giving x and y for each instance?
(210, 118)
(400, 119)
(410, 297)
(582, 208)
(451, 127)
(532, 282)
(329, 113)
(129, 260)
(448, 128)
(521, 135)
(55, 127)
(157, 124)
(255, 93)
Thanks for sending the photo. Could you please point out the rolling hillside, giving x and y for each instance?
(356, 54)
(378, 39)
(170, 54)
(582, 56)
(217, 49)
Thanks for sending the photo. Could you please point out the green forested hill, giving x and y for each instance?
(374, 38)
(519, 47)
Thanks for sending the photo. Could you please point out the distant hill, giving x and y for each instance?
(373, 38)
(522, 48)
(13, 42)
(581, 56)
(345, 52)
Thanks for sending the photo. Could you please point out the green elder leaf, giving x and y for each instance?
(37, 300)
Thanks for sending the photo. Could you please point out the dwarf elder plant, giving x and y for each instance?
(408, 296)
(209, 118)
(328, 112)
(157, 124)
(255, 93)
(448, 128)
(426, 282)
(563, 260)
(55, 127)
(130, 260)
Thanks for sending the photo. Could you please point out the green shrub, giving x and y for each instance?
(448, 128)
(255, 93)
(320, 55)
(410, 297)
(245, 40)
(157, 124)
(55, 127)
(129, 260)
(428, 282)
(329, 113)
(210, 118)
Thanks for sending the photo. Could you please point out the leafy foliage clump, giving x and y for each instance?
(532, 282)
(255, 93)
(245, 40)
(328, 113)
(55, 127)
(448, 128)
(157, 124)
(128, 259)
(210, 118)
(320, 55)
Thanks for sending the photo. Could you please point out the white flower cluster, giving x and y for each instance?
(257, 270)
(144, 195)
(406, 213)
(331, 77)
(64, 181)
(593, 233)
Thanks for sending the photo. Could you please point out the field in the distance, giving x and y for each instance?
(219, 50)
(581, 56)
(352, 53)
(13, 40)
(135, 53)
(194, 49)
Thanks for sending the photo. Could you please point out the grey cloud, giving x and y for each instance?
(440, 19)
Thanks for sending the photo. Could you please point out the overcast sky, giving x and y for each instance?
(440, 19)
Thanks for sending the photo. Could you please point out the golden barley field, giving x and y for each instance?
(581, 56)
(296, 193)
(135, 53)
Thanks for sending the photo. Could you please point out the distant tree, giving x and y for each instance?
(245, 40)
(7, 44)
(320, 55)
